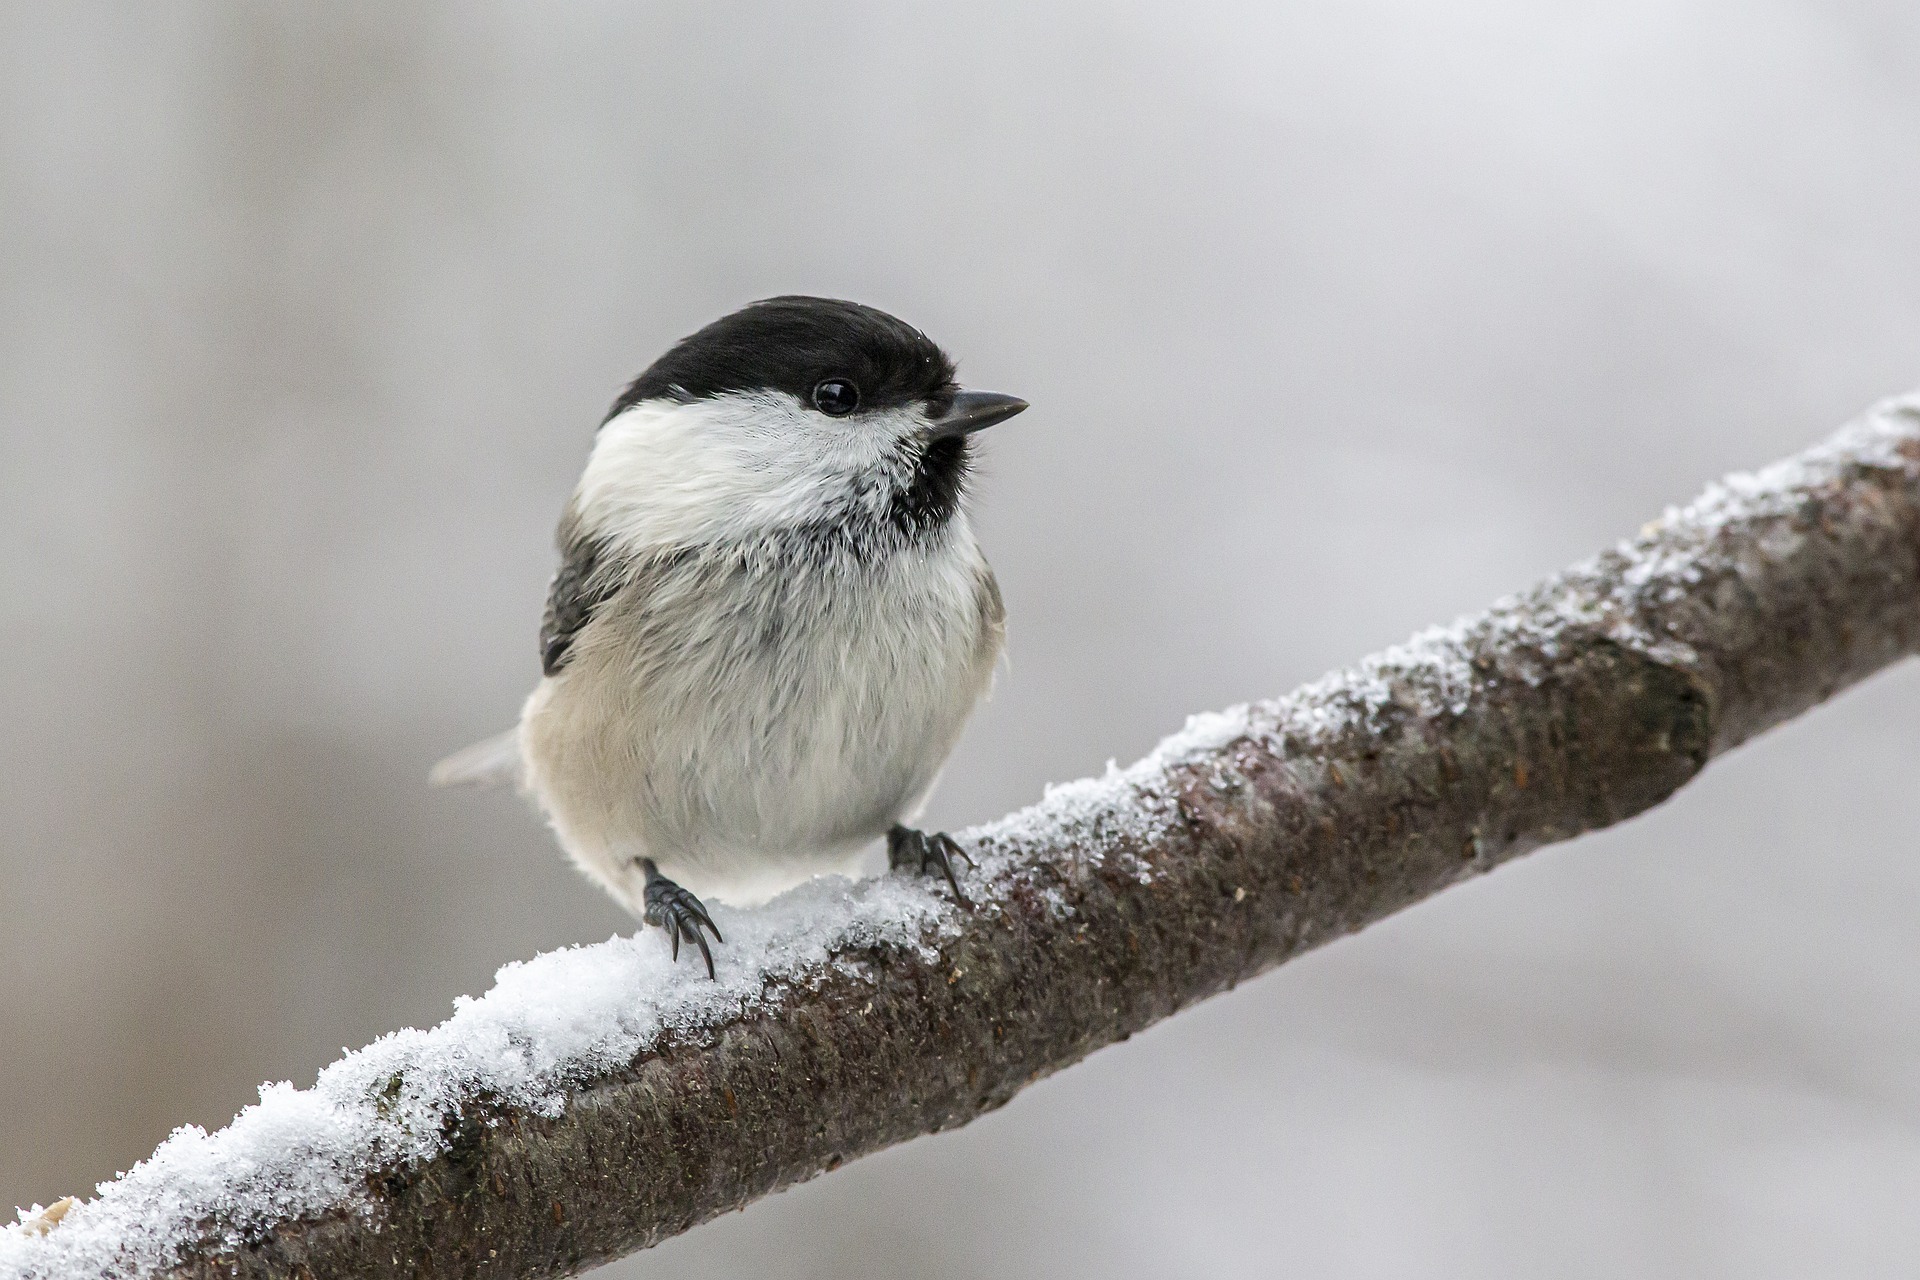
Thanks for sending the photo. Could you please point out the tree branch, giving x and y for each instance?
(600, 1099)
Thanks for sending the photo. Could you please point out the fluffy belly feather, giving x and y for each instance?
(748, 722)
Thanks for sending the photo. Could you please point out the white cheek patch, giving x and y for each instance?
(670, 474)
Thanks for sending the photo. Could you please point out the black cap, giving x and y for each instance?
(793, 344)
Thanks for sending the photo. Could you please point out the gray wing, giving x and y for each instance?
(577, 590)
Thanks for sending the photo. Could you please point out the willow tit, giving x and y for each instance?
(771, 619)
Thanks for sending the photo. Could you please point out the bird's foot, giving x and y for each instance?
(678, 912)
(922, 852)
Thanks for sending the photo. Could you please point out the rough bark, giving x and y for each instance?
(1254, 836)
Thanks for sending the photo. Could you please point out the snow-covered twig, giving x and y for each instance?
(600, 1099)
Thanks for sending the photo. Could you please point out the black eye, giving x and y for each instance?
(836, 397)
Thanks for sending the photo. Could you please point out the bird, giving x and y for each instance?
(771, 618)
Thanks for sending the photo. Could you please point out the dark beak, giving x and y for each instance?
(972, 411)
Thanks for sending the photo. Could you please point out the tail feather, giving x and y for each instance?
(491, 762)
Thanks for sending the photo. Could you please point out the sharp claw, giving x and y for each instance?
(679, 913)
(907, 848)
(700, 913)
(705, 954)
(954, 849)
(941, 849)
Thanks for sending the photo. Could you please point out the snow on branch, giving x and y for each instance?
(600, 1099)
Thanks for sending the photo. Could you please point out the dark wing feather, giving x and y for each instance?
(578, 589)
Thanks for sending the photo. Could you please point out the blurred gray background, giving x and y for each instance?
(1338, 320)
